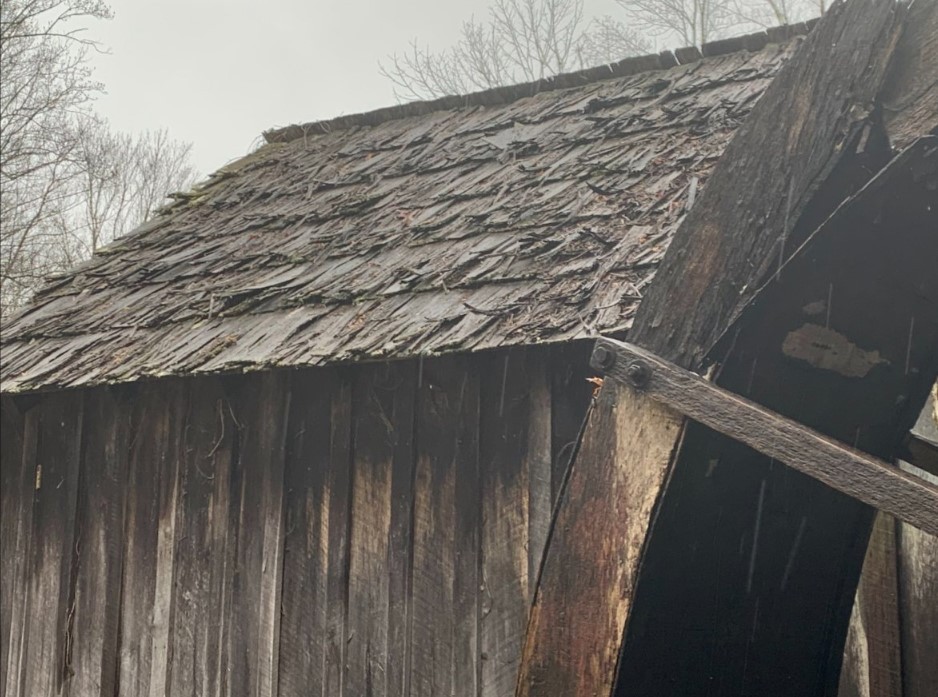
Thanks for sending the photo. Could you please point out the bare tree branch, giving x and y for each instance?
(521, 41)
(68, 183)
(695, 22)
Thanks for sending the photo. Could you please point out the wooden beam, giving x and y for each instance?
(841, 467)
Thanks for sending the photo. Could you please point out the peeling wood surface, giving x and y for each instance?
(536, 221)
(366, 531)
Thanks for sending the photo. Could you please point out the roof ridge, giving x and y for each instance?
(497, 96)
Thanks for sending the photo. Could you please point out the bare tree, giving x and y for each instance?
(68, 183)
(766, 13)
(120, 180)
(695, 22)
(691, 22)
(522, 41)
(528, 40)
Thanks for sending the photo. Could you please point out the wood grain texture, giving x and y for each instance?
(19, 477)
(873, 652)
(467, 533)
(383, 400)
(49, 594)
(400, 545)
(149, 523)
(260, 405)
(13, 498)
(203, 560)
(308, 458)
(571, 395)
(538, 463)
(918, 592)
(99, 544)
(446, 419)
(167, 470)
(338, 486)
(591, 565)
(516, 505)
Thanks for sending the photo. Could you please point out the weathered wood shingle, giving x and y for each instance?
(457, 229)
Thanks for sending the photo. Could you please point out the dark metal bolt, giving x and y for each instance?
(603, 358)
(638, 373)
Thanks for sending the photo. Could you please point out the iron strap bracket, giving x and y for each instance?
(861, 476)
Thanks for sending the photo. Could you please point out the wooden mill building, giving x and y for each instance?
(303, 431)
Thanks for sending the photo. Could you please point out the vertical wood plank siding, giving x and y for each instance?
(15, 495)
(203, 551)
(98, 543)
(49, 593)
(366, 531)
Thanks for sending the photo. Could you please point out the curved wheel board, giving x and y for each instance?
(603, 517)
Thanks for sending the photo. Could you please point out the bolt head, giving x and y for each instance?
(603, 357)
(638, 373)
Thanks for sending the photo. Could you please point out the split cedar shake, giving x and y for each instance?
(302, 432)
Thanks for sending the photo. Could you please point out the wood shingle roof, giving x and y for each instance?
(429, 229)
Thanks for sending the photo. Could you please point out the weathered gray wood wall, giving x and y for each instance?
(374, 530)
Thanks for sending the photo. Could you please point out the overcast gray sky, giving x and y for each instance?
(219, 72)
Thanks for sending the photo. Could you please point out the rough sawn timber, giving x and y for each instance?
(580, 600)
(872, 481)
(810, 143)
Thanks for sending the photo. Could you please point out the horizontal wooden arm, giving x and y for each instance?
(851, 472)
